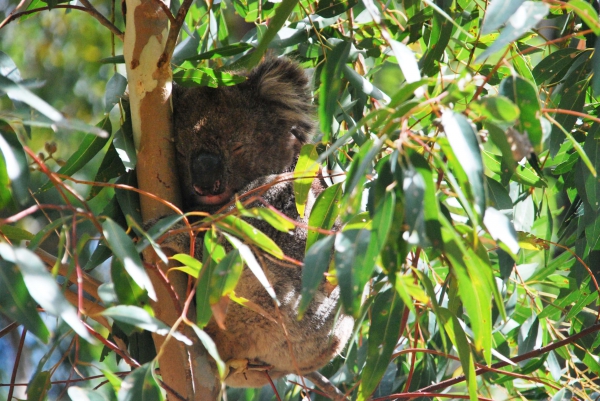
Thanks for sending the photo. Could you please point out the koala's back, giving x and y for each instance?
(239, 139)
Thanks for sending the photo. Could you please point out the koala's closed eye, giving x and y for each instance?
(237, 148)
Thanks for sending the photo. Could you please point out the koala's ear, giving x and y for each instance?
(283, 83)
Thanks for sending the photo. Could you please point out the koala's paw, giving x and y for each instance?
(235, 368)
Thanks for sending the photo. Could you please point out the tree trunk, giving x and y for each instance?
(150, 89)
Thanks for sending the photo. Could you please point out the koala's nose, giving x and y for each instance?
(207, 174)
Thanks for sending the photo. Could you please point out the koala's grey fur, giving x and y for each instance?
(234, 139)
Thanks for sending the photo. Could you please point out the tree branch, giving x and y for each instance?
(174, 32)
(326, 386)
(90, 10)
(519, 358)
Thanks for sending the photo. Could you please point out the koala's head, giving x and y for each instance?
(228, 137)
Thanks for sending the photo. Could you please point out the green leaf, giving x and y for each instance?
(306, 166)
(84, 394)
(331, 84)
(38, 387)
(253, 265)
(282, 12)
(211, 348)
(464, 143)
(201, 76)
(115, 88)
(555, 65)
(501, 228)
(225, 51)
(498, 13)
(497, 108)
(141, 385)
(591, 147)
(586, 12)
(43, 288)
(441, 33)
(353, 266)
(413, 187)
(276, 219)
(15, 233)
(17, 304)
(331, 8)
(316, 263)
(124, 249)
(225, 276)
(138, 317)
(430, 202)
(111, 167)
(383, 336)
(524, 94)
(238, 227)
(324, 213)
(16, 91)
(475, 286)
(91, 145)
(192, 266)
(525, 18)
(213, 253)
(459, 339)
(128, 292)
(363, 85)
(15, 168)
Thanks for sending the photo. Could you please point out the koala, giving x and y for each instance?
(231, 140)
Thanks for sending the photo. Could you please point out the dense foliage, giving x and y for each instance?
(461, 141)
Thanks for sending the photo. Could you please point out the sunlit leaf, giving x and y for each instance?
(324, 213)
(16, 171)
(91, 145)
(316, 262)
(353, 266)
(331, 85)
(17, 304)
(138, 317)
(383, 335)
(498, 13)
(306, 166)
(464, 143)
(501, 228)
(124, 249)
(43, 288)
(115, 88)
(526, 17)
(238, 227)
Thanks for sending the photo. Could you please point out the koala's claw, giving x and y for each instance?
(235, 366)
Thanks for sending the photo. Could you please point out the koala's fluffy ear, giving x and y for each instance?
(283, 83)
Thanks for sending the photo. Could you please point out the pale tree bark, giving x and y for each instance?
(188, 371)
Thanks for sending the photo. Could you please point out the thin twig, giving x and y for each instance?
(8, 329)
(90, 284)
(13, 376)
(167, 11)
(519, 358)
(573, 113)
(92, 11)
(326, 386)
(174, 33)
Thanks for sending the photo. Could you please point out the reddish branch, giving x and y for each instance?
(519, 358)
(573, 113)
(13, 377)
(88, 9)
